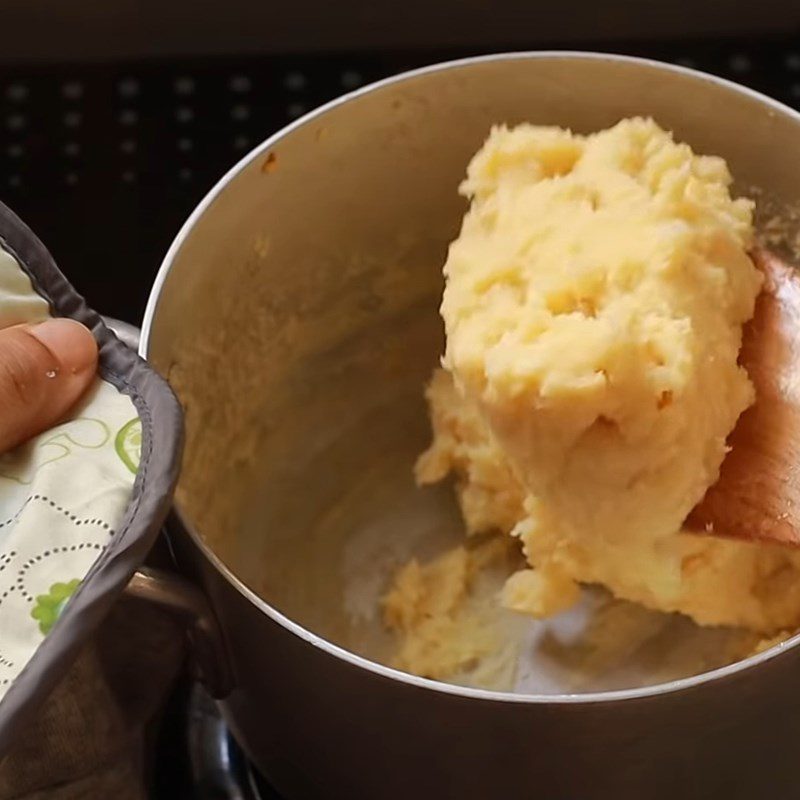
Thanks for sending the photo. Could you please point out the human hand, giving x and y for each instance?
(44, 369)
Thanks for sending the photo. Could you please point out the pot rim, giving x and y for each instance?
(656, 690)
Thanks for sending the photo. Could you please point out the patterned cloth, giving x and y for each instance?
(61, 496)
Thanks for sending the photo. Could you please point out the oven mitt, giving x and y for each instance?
(82, 503)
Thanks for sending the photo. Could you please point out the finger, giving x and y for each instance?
(44, 369)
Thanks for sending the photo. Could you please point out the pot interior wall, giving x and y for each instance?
(298, 322)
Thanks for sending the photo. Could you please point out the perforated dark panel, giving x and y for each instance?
(106, 161)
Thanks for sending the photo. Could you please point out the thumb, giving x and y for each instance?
(44, 369)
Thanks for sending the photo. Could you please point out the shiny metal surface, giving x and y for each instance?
(219, 770)
(295, 315)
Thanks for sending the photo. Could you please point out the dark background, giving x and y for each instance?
(116, 118)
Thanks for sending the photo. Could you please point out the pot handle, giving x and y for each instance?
(189, 605)
(178, 596)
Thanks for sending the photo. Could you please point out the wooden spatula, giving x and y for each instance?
(757, 495)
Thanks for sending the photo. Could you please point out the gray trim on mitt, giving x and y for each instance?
(162, 442)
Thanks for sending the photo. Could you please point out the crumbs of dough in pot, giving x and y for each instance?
(664, 647)
(446, 618)
(540, 592)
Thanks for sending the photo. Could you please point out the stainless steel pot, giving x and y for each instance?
(296, 316)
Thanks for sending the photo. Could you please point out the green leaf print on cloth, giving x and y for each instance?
(129, 444)
(23, 464)
(63, 495)
(49, 606)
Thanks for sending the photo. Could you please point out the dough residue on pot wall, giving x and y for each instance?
(593, 308)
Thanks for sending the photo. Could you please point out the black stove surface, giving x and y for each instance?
(106, 161)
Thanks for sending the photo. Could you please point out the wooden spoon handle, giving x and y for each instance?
(757, 496)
